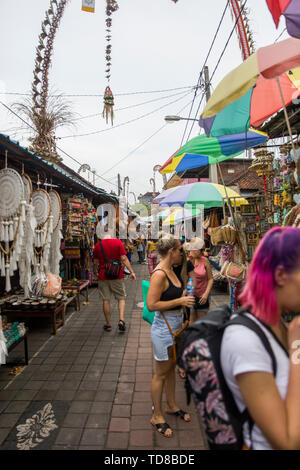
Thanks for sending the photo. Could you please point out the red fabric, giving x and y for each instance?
(277, 7)
(113, 249)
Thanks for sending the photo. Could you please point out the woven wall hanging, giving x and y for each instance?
(55, 252)
(44, 229)
(27, 257)
(12, 216)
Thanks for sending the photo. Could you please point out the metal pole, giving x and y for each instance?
(213, 172)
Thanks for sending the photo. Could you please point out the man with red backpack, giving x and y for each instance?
(109, 257)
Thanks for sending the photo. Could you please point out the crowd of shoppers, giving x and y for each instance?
(271, 290)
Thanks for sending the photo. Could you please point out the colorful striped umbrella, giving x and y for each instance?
(290, 9)
(267, 63)
(255, 107)
(202, 150)
(207, 194)
(180, 214)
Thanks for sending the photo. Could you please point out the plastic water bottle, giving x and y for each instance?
(190, 288)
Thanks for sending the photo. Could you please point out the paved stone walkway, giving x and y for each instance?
(93, 387)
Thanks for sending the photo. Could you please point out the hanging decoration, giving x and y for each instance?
(27, 259)
(55, 252)
(88, 5)
(45, 121)
(12, 216)
(111, 7)
(44, 229)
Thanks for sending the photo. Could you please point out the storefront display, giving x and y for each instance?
(79, 228)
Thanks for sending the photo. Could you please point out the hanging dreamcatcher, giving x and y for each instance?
(55, 252)
(111, 7)
(12, 216)
(27, 258)
(43, 231)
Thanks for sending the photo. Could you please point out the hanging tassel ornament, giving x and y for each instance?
(7, 277)
(108, 106)
(111, 7)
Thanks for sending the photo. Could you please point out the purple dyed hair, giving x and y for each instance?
(279, 247)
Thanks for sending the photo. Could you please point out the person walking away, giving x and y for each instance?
(167, 298)
(203, 278)
(152, 256)
(140, 250)
(114, 250)
(272, 289)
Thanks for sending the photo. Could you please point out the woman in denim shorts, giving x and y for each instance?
(166, 294)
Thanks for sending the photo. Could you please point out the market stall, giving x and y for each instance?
(35, 230)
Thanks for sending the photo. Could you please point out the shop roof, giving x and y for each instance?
(245, 180)
(63, 176)
(276, 127)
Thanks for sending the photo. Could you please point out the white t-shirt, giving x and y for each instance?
(243, 351)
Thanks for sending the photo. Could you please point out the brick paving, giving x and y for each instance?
(100, 379)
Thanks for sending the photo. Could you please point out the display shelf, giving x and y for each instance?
(57, 315)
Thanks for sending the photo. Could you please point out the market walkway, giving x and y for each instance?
(87, 389)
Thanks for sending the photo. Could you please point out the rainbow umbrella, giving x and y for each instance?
(202, 150)
(181, 214)
(290, 9)
(267, 63)
(207, 194)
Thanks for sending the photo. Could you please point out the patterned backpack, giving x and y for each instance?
(199, 356)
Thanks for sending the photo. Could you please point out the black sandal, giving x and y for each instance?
(162, 428)
(107, 328)
(180, 414)
(121, 325)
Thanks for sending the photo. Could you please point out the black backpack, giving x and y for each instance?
(112, 266)
(199, 356)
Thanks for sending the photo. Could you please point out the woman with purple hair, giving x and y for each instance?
(272, 289)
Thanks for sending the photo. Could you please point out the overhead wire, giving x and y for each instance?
(140, 145)
(123, 123)
(217, 65)
(101, 95)
(131, 106)
(201, 72)
(60, 149)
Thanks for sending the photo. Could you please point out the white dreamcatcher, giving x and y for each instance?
(55, 252)
(12, 216)
(43, 231)
(27, 258)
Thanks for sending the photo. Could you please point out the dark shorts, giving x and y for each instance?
(199, 306)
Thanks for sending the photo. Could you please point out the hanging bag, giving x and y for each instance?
(147, 315)
(112, 266)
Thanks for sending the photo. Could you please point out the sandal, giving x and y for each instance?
(162, 428)
(180, 414)
(121, 325)
(107, 328)
(181, 373)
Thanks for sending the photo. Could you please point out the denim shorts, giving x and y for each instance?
(160, 334)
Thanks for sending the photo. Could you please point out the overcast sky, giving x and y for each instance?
(157, 45)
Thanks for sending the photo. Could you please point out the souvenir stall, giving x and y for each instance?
(31, 237)
(79, 228)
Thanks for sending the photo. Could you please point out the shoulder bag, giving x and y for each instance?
(112, 266)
